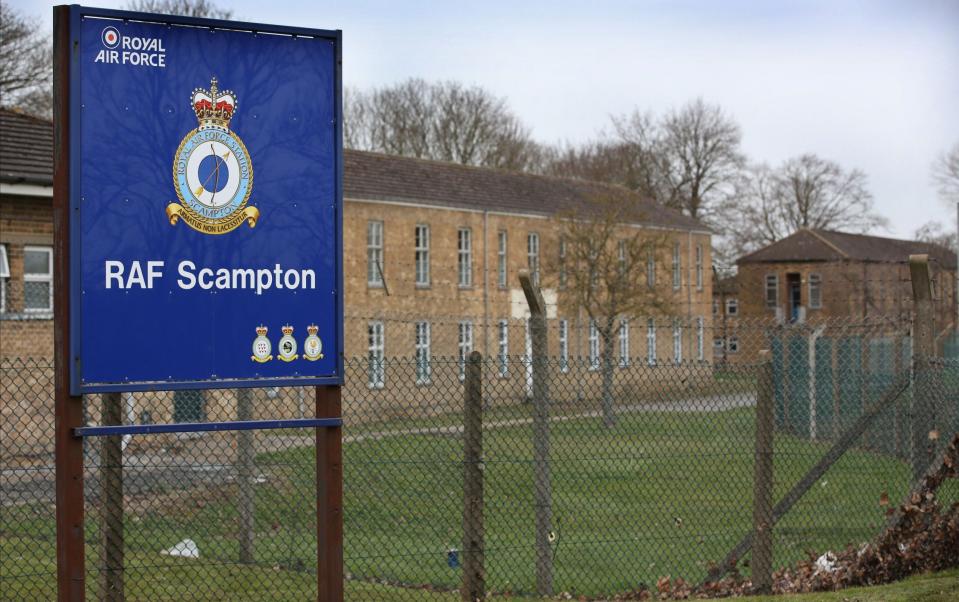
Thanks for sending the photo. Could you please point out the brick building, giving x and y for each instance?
(817, 276)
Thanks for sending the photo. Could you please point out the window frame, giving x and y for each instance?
(732, 306)
(532, 255)
(677, 343)
(502, 258)
(502, 349)
(4, 277)
(732, 344)
(464, 257)
(563, 276)
(700, 338)
(421, 256)
(422, 342)
(593, 358)
(43, 278)
(564, 346)
(772, 279)
(623, 334)
(375, 276)
(376, 354)
(816, 278)
(464, 343)
(651, 268)
(651, 341)
(699, 266)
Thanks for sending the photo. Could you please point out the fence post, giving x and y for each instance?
(244, 476)
(924, 348)
(543, 488)
(762, 556)
(474, 571)
(111, 502)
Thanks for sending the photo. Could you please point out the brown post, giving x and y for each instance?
(542, 480)
(244, 476)
(111, 503)
(474, 570)
(68, 409)
(329, 498)
(762, 556)
(924, 348)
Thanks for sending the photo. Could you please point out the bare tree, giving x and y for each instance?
(603, 271)
(445, 120)
(937, 234)
(804, 192)
(186, 8)
(26, 63)
(701, 158)
(945, 173)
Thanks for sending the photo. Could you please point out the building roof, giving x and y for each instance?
(26, 156)
(811, 245)
(26, 149)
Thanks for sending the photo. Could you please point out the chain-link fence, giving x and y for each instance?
(640, 464)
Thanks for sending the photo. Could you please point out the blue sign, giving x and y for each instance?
(206, 194)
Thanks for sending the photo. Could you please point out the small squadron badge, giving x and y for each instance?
(312, 346)
(262, 349)
(287, 345)
(212, 172)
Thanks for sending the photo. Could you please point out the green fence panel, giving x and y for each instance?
(880, 374)
(850, 386)
(798, 385)
(825, 398)
(779, 371)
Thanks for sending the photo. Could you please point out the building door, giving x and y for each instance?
(794, 294)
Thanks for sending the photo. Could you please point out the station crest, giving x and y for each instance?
(212, 170)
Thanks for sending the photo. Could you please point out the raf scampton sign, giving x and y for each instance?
(205, 190)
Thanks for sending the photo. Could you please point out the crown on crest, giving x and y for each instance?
(261, 330)
(287, 330)
(312, 329)
(214, 107)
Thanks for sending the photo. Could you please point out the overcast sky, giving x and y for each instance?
(872, 85)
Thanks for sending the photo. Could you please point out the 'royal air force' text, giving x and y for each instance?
(144, 52)
(146, 274)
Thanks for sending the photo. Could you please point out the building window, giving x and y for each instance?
(532, 256)
(376, 369)
(700, 337)
(651, 342)
(718, 344)
(593, 346)
(699, 267)
(464, 247)
(374, 253)
(677, 267)
(815, 291)
(4, 275)
(422, 258)
(562, 263)
(677, 342)
(501, 258)
(38, 279)
(651, 268)
(503, 355)
(423, 368)
(465, 341)
(623, 343)
(715, 307)
(772, 290)
(564, 346)
(732, 307)
(732, 345)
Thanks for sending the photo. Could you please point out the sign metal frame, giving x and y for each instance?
(76, 14)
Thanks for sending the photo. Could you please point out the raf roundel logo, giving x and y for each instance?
(212, 171)
(110, 37)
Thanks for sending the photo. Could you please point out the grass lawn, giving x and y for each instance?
(659, 494)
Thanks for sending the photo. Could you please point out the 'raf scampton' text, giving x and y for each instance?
(146, 275)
